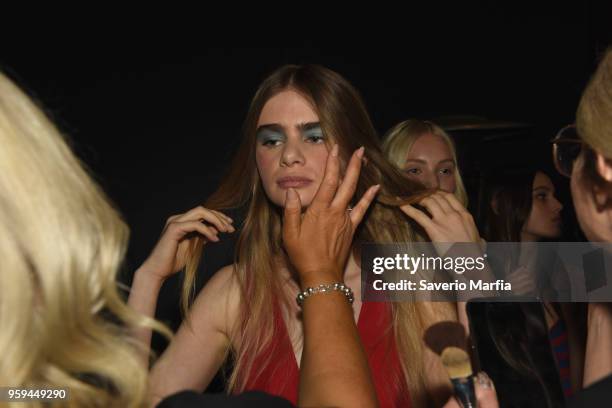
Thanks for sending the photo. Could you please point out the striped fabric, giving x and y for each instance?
(560, 347)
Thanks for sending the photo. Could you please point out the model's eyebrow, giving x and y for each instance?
(274, 127)
(309, 126)
(542, 188)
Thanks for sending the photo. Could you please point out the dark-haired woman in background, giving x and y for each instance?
(524, 209)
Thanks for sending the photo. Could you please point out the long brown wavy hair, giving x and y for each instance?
(344, 120)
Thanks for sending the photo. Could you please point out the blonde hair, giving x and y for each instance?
(63, 321)
(399, 140)
(594, 114)
(344, 120)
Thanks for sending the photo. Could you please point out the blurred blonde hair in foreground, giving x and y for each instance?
(63, 321)
(594, 115)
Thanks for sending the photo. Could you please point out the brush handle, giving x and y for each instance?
(464, 391)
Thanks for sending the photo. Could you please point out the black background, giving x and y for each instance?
(156, 116)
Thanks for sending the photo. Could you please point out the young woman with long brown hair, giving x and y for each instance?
(248, 309)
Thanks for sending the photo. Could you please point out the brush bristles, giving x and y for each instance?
(457, 362)
(445, 334)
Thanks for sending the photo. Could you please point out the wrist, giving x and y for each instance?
(325, 289)
(599, 314)
(318, 277)
(147, 275)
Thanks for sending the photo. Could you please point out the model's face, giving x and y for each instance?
(431, 163)
(544, 219)
(291, 150)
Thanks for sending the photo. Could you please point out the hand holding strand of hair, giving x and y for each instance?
(449, 222)
(170, 253)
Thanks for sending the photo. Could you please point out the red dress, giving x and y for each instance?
(280, 375)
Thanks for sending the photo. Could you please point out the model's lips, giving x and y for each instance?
(293, 182)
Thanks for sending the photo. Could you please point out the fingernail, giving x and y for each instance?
(484, 380)
(360, 152)
(376, 188)
(334, 150)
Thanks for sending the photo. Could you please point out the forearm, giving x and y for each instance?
(143, 300)
(598, 358)
(334, 370)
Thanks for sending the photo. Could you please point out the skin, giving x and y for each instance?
(544, 222)
(544, 219)
(592, 202)
(290, 154)
(594, 212)
(291, 151)
(335, 370)
(198, 350)
(430, 162)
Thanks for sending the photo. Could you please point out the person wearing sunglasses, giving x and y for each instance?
(583, 152)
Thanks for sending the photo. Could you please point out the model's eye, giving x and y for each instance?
(314, 135)
(315, 139)
(270, 138)
(271, 142)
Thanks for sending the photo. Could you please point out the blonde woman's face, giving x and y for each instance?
(431, 163)
(291, 150)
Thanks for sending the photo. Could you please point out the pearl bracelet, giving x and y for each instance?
(341, 287)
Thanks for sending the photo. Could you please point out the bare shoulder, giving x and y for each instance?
(200, 345)
(219, 300)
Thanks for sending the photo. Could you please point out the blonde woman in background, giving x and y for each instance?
(61, 245)
(426, 153)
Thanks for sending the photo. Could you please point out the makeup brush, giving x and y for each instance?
(449, 341)
(445, 334)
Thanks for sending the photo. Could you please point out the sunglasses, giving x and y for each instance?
(567, 146)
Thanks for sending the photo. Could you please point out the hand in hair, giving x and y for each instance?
(318, 242)
(170, 253)
(449, 221)
(168, 257)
